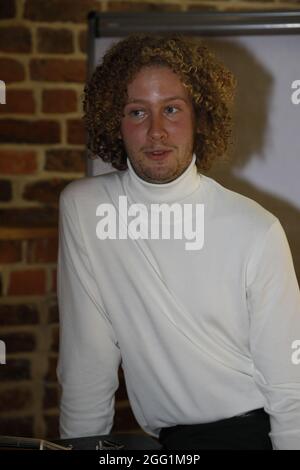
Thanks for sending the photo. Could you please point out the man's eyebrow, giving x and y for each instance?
(170, 98)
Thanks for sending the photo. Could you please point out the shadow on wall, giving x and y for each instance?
(255, 85)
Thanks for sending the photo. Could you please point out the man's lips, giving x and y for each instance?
(158, 154)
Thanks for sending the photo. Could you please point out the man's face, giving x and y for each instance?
(158, 117)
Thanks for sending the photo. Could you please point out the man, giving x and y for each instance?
(204, 329)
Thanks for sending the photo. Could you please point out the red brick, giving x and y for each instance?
(29, 217)
(19, 342)
(7, 9)
(46, 191)
(21, 426)
(30, 132)
(51, 375)
(59, 101)
(15, 369)
(17, 162)
(19, 102)
(83, 40)
(56, 41)
(58, 70)
(53, 314)
(65, 10)
(15, 39)
(5, 190)
(66, 160)
(123, 6)
(27, 282)
(55, 339)
(54, 281)
(52, 426)
(15, 399)
(204, 7)
(10, 251)
(42, 251)
(124, 420)
(11, 70)
(51, 397)
(11, 315)
(265, 6)
(76, 132)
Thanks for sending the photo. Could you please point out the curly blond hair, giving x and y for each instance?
(210, 84)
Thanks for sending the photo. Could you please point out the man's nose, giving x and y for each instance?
(157, 129)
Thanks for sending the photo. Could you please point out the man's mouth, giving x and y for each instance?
(158, 154)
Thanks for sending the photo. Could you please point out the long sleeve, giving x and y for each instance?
(89, 355)
(274, 314)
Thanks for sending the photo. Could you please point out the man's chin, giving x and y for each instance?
(159, 177)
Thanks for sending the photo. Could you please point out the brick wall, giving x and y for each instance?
(43, 63)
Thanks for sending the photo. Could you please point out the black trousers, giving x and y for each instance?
(244, 432)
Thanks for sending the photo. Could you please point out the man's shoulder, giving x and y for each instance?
(90, 187)
(239, 208)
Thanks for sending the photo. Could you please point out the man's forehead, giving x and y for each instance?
(168, 98)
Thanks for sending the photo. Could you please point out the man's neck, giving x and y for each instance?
(175, 190)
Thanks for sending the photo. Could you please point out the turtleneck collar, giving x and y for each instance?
(174, 191)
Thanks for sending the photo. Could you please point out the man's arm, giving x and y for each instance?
(274, 305)
(88, 354)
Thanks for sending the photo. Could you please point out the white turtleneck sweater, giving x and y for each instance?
(201, 335)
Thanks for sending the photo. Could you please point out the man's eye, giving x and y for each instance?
(140, 113)
(136, 113)
(171, 109)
